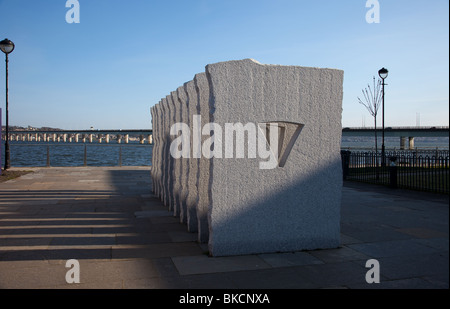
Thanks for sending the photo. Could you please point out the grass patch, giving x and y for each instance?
(8, 175)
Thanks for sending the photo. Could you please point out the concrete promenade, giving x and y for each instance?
(124, 238)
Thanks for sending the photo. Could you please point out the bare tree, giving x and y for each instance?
(372, 102)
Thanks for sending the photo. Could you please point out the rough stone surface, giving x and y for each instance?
(193, 162)
(156, 168)
(157, 146)
(288, 208)
(256, 197)
(166, 158)
(183, 162)
(174, 176)
(153, 171)
(202, 88)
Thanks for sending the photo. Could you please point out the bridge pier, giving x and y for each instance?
(150, 139)
(403, 143)
(127, 138)
(411, 143)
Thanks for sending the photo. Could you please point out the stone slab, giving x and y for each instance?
(203, 205)
(296, 205)
(193, 162)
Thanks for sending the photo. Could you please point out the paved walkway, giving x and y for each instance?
(123, 237)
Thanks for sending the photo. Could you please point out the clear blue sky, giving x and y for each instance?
(124, 56)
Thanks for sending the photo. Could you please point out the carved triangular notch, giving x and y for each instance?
(288, 133)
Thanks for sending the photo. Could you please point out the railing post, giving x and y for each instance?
(48, 156)
(85, 155)
(393, 173)
(120, 156)
(345, 157)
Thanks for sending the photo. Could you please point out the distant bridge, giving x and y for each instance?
(143, 136)
(399, 131)
(90, 136)
(403, 133)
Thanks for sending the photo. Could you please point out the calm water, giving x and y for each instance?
(70, 154)
(393, 143)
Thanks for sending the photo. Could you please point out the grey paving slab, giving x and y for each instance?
(115, 270)
(83, 241)
(182, 236)
(212, 281)
(372, 232)
(143, 239)
(152, 213)
(40, 275)
(155, 250)
(414, 266)
(290, 259)
(393, 248)
(412, 283)
(440, 244)
(339, 255)
(203, 264)
(347, 240)
(285, 278)
(422, 232)
(439, 281)
(341, 274)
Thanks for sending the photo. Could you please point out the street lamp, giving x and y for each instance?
(383, 73)
(7, 47)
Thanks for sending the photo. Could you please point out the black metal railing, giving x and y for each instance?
(407, 170)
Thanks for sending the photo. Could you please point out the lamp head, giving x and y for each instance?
(7, 46)
(383, 73)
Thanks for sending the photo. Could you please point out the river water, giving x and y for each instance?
(134, 154)
(70, 154)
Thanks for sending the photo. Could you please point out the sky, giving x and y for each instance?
(125, 55)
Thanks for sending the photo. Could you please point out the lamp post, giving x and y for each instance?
(383, 73)
(7, 47)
